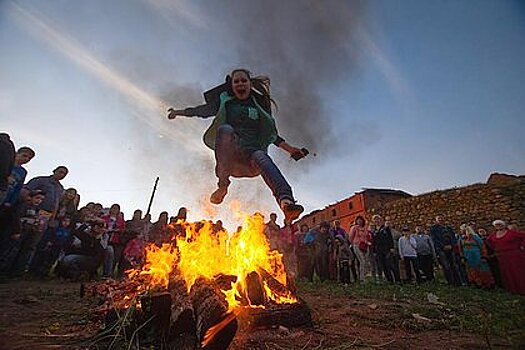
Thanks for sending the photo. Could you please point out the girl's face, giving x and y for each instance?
(241, 85)
(71, 194)
(114, 210)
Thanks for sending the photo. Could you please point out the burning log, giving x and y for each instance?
(156, 311)
(224, 281)
(210, 307)
(275, 286)
(288, 315)
(255, 289)
(183, 328)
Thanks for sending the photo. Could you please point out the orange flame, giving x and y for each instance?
(203, 252)
(158, 266)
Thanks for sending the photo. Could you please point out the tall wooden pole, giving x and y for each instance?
(152, 195)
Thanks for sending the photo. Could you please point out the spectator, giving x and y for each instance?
(273, 232)
(474, 255)
(372, 255)
(345, 256)
(17, 254)
(7, 161)
(182, 214)
(136, 224)
(322, 244)
(426, 253)
(68, 205)
(444, 240)
(304, 254)
(178, 227)
(158, 231)
(17, 177)
(492, 260)
(396, 261)
(8, 206)
(509, 248)
(53, 189)
(309, 243)
(350, 257)
(360, 240)
(86, 258)
(286, 247)
(408, 254)
(115, 226)
(460, 262)
(53, 245)
(384, 248)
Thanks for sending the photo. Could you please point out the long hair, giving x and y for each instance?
(260, 86)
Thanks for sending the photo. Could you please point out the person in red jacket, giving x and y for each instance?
(509, 246)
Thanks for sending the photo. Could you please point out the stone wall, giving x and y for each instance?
(479, 203)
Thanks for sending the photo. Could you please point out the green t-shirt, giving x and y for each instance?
(244, 118)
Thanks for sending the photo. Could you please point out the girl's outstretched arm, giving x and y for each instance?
(296, 153)
(203, 111)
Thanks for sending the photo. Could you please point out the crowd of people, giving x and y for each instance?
(468, 256)
(44, 231)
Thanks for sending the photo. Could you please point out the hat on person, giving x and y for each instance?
(498, 223)
(405, 228)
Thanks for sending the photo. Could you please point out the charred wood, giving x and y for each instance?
(288, 315)
(210, 307)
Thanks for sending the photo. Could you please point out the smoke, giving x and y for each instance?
(306, 48)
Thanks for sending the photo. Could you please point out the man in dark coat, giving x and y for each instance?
(7, 161)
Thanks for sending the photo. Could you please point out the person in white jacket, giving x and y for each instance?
(408, 254)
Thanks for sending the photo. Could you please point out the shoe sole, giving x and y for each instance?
(293, 214)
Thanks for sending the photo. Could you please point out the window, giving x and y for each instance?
(334, 212)
(350, 205)
(313, 220)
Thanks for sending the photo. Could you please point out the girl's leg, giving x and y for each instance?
(280, 188)
(361, 258)
(225, 149)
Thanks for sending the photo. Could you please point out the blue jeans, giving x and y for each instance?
(231, 160)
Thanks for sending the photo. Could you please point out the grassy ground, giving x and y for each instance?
(489, 314)
(36, 314)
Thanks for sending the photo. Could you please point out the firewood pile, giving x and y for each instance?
(175, 318)
(195, 291)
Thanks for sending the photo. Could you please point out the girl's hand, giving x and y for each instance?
(173, 113)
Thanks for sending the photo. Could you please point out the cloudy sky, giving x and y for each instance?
(412, 95)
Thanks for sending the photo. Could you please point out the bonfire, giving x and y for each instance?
(194, 288)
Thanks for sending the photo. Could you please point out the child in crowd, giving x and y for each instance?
(52, 247)
(17, 252)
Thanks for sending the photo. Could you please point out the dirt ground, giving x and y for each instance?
(51, 315)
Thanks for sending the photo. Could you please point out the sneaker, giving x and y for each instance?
(290, 210)
(218, 196)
